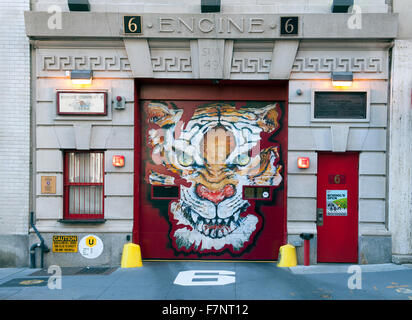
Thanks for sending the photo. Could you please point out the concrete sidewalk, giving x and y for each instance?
(244, 281)
(343, 268)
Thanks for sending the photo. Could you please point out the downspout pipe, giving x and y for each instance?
(41, 245)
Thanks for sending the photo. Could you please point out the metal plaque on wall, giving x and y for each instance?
(340, 105)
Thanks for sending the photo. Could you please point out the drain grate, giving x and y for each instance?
(78, 271)
(66, 271)
(95, 270)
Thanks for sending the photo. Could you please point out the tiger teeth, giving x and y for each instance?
(200, 226)
(194, 216)
(232, 225)
(236, 215)
(203, 225)
(206, 231)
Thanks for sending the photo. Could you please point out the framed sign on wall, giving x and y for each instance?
(82, 103)
(340, 106)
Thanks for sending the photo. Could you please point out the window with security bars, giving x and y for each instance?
(84, 185)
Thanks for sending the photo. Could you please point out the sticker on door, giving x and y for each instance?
(337, 202)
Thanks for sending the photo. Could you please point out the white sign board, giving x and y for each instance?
(78, 103)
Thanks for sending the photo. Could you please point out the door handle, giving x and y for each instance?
(319, 217)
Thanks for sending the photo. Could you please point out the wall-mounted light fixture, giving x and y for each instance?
(78, 5)
(81, 76)
(118, 161)
(342, 79)
(210, 6)
(341, 6)
(303, 162)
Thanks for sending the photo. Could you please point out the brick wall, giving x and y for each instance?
(15, 118)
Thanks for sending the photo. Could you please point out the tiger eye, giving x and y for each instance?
(243, 159)
(185, 159)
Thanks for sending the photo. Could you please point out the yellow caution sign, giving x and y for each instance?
(287, 256)
(131, 257)
(65, 243)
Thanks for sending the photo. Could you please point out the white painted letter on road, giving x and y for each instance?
(355, 280)
(205, 278)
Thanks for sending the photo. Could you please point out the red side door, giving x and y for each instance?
(212, 175)
(337, 207)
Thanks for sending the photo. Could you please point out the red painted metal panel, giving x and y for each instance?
(137, 164)
(186, 228)
(338, 197)
(204, 90)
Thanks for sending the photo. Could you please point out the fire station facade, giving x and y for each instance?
(210, 135)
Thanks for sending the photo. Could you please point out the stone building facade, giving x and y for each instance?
(287, 53)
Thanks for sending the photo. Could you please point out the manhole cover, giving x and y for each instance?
(31, 282)
(25, 282)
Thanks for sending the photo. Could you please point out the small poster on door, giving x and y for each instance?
(336, 202)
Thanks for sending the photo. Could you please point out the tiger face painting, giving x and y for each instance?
(212, 155)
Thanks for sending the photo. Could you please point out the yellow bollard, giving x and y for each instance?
(287, 256)
(131, 257)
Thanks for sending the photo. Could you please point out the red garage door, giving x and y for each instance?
(211, 172)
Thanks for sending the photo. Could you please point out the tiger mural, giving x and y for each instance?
(212, 155)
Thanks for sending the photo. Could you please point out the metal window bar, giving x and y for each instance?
(85, 183)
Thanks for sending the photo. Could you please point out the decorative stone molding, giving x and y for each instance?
(251, 65)
(171, 64)
(84, 62)
(213, 59)
(329, 64)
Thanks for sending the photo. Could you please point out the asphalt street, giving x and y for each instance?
(210, 281)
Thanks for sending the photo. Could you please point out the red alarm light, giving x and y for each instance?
(303, 162)
(118, 161)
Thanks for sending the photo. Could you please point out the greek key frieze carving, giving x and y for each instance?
(96, 63)
(328, 64)
(171, 64)
(250, 65)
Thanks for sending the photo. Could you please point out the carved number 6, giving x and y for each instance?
(289, 27)
(131, 25)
